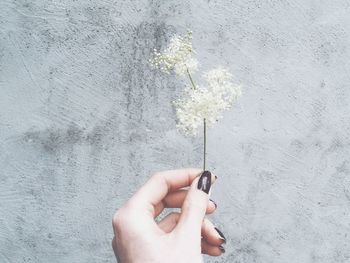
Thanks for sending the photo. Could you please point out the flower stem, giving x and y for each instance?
(205, 143)
(204, 126)
(190, 77)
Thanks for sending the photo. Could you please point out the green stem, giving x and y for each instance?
(204, 143)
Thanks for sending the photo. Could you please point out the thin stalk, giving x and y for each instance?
(204, 143)
(190, 77)
(204, 126)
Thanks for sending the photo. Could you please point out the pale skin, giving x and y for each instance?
(179, 237)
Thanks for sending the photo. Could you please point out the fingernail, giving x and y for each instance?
(214, 203)
(222, 249)
(204, 182)
(221, 235)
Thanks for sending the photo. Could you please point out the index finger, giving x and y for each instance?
(161, 183)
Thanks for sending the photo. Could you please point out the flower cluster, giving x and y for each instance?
(197, 103)
(177, 56)
(207, 102)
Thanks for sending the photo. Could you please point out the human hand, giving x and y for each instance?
(179, 237)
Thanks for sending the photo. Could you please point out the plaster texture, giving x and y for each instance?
(84, 122)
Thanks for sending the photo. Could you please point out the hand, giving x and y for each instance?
(179, 237)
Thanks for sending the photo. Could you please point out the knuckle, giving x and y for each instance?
(123, 217)
(119, 218)
(157, 176)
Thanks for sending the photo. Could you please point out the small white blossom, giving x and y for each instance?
(208, 102)
(177, 56)
(220, 81)
(218, 76)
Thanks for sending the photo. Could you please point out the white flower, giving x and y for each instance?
(177, 56)
(220, 81)
(218, 76)
(207, 102)
(197, 102)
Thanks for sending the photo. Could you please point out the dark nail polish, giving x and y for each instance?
(222, 249)
(204, 182)
(221, 235)
(216, 206)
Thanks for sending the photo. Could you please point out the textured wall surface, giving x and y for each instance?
(84, 122)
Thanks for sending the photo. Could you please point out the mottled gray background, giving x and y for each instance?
(84, 122)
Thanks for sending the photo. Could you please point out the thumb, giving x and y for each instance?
(195, 205)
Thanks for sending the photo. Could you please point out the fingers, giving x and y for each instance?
(160, 184)
(194, 206)
(209, 232)
(211, 250)
(140, 209)
(175, 200)
(211, 242)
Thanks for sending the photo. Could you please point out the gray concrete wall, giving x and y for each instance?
(84, 122)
